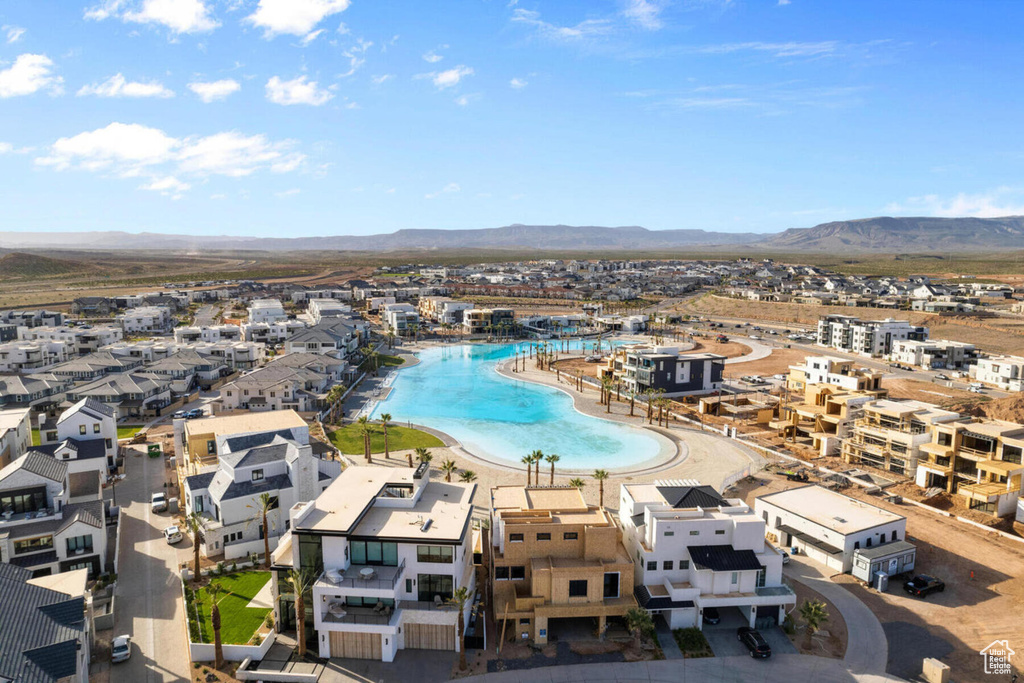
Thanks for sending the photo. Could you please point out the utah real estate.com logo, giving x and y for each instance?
(997, 657)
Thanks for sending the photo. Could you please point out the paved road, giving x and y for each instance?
(206, 316)
(866, 648)
(149, 605)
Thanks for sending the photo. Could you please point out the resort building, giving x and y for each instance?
(84, 436)
(389, 548)
(937, 354)
(826, 526)
(146, 320)
(402, 319)
(695, 549)
(488, 320)
(266, 311)
(15, 433)
(554, 558)
(866, 337)
(979, 460)
(1002, 372)
(890, 433)
(641, 367)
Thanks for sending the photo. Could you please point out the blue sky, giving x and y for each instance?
(306, 117)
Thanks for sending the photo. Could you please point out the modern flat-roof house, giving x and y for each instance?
(826, 526)
(866, 337)
(695, 549)
(43, 526)
(890, 433)
(25, 356)
(15, 433)
(146, 320)
(401, 319)
(486, 320)
(211, 333)
(980, 460)
(389, 547)
(84, 436)
(323, 309)
(641, 367)
(554, 557)
(46, 634)
(837, 372)
(266, 311)
(271, 333)
(1002, 372)
(934, 354)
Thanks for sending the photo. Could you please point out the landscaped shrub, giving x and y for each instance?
(692, 642)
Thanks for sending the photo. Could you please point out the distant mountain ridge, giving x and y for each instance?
(882, 234)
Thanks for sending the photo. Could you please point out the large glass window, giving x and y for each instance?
(374, 553)
(611, 585)
(311, 554)
(31, 545)
(80, 544)
(25, 500)
(431, 585)
(435, 553)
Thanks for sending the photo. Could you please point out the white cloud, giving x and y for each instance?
(212, 91)
(447, 189)
(311, 36)
(432, 57)
(644, 13)
(14, 33)
(299, 90)
(355, 56)
(1001, 201)
(284, 194)
(462, 100)
(6, 148)
(790, 49)
(137, 151)
(294, 17)
(117, 86)
(585, 29)
(180, 16)
(382, 78)
(518, 83)
(783, 3)
(29, 74)
(451, 77)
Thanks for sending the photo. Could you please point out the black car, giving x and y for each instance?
(711, 615)
(923, 585)
(755, 642)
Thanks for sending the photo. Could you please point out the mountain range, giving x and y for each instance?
(881, 235)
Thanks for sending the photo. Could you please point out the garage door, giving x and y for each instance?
(429, 637)
(355, 645)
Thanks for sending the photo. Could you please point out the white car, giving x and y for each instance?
(159, 502)
(121, 649)
(172, 534)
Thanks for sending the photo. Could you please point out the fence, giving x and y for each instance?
(204, 652)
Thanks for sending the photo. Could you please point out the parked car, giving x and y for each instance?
(121, 649)
(711, 615)
(158, 502)
(755, 642)
(194, 413)
(922, 585)
(941, 376)
(179, 415)
(172, 534)
(785, 557)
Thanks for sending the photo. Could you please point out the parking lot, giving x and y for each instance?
(723, 641)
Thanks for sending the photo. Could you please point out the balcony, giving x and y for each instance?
(363, 576)
(340, 613)
(9, 517)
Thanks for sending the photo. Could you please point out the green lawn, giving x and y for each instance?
(36, 440)
(238, 623)
(349, 441)
(128, 431)
(386, 361)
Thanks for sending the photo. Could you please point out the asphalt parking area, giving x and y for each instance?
(722, 636)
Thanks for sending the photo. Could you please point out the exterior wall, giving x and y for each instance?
(15, 439)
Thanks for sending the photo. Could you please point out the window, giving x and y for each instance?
(25, 500)
(611, 585)
(375, 553)
(735, 578)
(257, 475)
(894, 535)
(211, 447)
(31, 545)
(311, 555)
(108, 443)
(515, 538)
(578, 588)
(408, 585)
(570, 536)
(435, 553)
(868, 543)
(524, 622)
(543, 537)
(670, 533)
(684, 564)
(694, 532)
(96, 428)
(81, 429)
(719, 532)
(517, 573)
(79, 544)
(667, 565)
(652, 566)
(501, 573)
(431, 585)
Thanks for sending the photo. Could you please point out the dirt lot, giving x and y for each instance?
(834, 645)
(930, 392)
(983, 600)
(775, 364)
(728, 349)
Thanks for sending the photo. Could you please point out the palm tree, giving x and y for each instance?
(537, 456)
(214, 590)
(577, 483)
(366, 430)
(552, 458)
(460, 598)
(600, 476)
(814, 614)
(423, 455)
(370, 357)
(194, 523)
(385, 418)
(260, 508)
(607, 384)
(632, 400)
(448, 467)
(391, 339)
(467, 476)
(639, 622)
(528, 461)
(301, 582)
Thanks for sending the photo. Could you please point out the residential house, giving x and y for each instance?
(84, 436)
(92, 306)
(146, 320)
(890, 433)
(276, 387)
(323, 309)
(337, 338)
(25, 356)
(402, 319)
(642, 367)
(212, 333)
(833, 371)
(488, 320)
(266, 311)
(96, 365)
(271, 333)
(934, 354)
(41, 392)
(135, 394)
(199, 442)
(15, 433)
(1002, 372)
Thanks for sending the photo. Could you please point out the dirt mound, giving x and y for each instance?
(1010, 409)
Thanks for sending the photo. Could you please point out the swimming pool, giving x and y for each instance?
(456, 389)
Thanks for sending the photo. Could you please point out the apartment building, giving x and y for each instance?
(227, 494)
(936, 354)
(980, 460)
(833, 371)
(695, 549)
(271, 333)
(41, 392)
(402, 319)
(389, 548)
(890, 433)
(211, 333)
(487, 320)
(266, 311)
(554, 557)
(443, 310)
(15, 433)
(51, 520)
(826, 526)
(1002, 372)
(322, 309)
(25, 356)
(642, 367)
(866, 337)
(84, 436)
(135, 394)
(146, 320)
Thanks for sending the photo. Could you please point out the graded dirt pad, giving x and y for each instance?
(777, 363)
(929, 392)
(1010, 408)
(730, 349)
(577, 366)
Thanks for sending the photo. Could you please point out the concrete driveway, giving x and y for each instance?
(722, 636)
(149, 604)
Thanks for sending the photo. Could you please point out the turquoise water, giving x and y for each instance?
(456, 389)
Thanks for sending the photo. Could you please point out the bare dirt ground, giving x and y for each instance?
(730, 349)
(775, 364)
(929, 392)
(833, 645)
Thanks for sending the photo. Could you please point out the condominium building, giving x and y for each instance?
(890, 433)
(1003, 372)
(402, 319)
(266, 311)
(271, 333)
(389, 548)
(980, 460)
(146, 320)
(866, 337)
(211, 333)
(642, 367)
(487, 320)
(695, 549)
(554, 558)
(934, 354)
